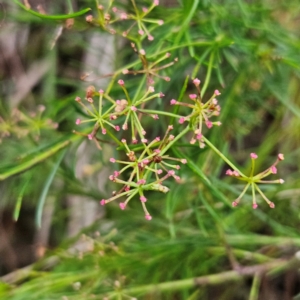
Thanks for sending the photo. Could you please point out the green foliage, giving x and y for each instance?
(249, 50)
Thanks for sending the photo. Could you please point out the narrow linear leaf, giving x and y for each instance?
(19, 201)
(44, 193)
(53, 17)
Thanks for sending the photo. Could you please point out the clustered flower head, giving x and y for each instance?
(109, 15)
(103, 118)
(21, 124)
(253, 180)
(148, 171)
(201, 113)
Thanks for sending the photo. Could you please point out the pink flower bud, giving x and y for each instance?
(254, 206)
(281, 181)
(141, 181)
(144, 140)
(90, 136)
(125, 126)
(229, 172)
(150, 37)
(123, 141)
(121, 82)
(90, 100)
(160, 22)
(253, 155)
(193, 96)
(134, 141)
(171, 172)
(208, 124)
(170, 127)
(123, 16)
(196, 82)
(159, 171)
(143, 52)
(167, 78)
(125, 71)
(235, 173)
(148, 217)
(117, 128)
(183, 161)
(143, 199)
(122, 205)
(234, 203)
(151, 89)
(280, 156)
(217, 93)
(156, 2)
(173, 102)
(161, 95)
(141, 32)
(155, 117)
(89, 18)
(181, 120)
(133, 108)
(127, 188)
(103, 202)
(101, 92)
(116, 173)
(168, 54)
(157, 138)
(112, 160)
(78, 121)
(273, 170)
(199, 136)
(272, 205)
(103, 131)
(77, 99)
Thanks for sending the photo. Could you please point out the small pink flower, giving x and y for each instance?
(141, 32)
(89, 18)
(166, 78)
(183, 161)
(159, 171)
(116, 173)
(117, 128)
(103, 131)
(168, 54)
(125, 126)
(273, 170)
(181, 120)
(150, 37)
(127, 188)
(151, 89)
(134, 141)
(123, 16)
(141, 181)
(103, 202)
(121, 82)
(125, 71)
(254, 206)
(78, 121)
(171, 137)
(123, 141)
(229, 172)
(196, 82)
(192, 141)
(156, 151)
(143, 132)
(157, 138)
(90, 100)
(112, 160)
(144, 140)
(253, 155)
(90, 136)
(155, 117)
(170, 127)
(161, 94)
(281, 181)
(160, 22)
(235, 173)
(280, 156)
(171, 173)
(208, 124)
(114, 9)
(143, 198)
(77, 99)
(173, 102)
(156, 2)
(148, 217)
(199, 136)
(272, 205)
(133, 108)
(122, 205)
(145, 9)
(193, 96)
(234, 203)
(143, 52)
(101, 92)
(217, 93)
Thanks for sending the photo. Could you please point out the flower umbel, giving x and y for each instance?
(253, 180)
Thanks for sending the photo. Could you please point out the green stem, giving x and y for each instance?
(208, 143)
(207, 79)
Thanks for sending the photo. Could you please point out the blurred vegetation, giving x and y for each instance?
(197, 246)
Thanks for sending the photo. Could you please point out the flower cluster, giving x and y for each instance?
(151, 162)
(201, 113)
(110, 15)
(103, 118)
(20, 124)
(253, 180)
